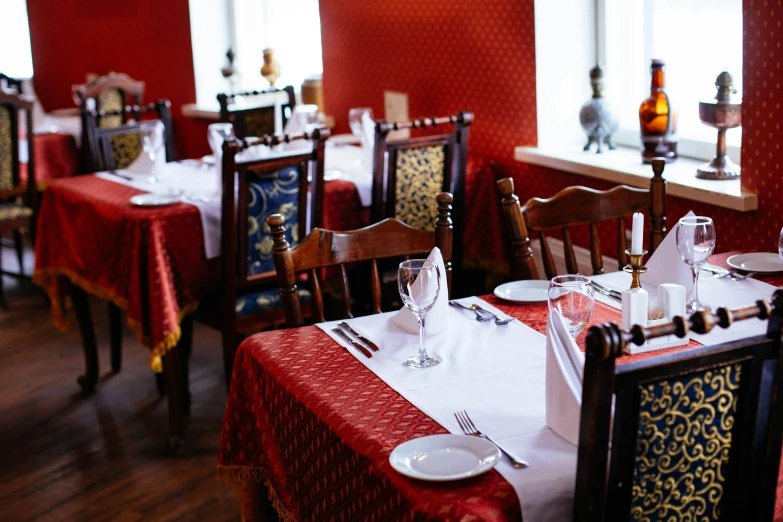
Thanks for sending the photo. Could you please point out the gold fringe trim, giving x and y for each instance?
(237, 476)
(47, 279)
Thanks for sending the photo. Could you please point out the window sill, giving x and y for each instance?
(201, 112)
(624, 166)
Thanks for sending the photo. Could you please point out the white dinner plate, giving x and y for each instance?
(762, 262)
(440, 458)
(154, 200)
(535, 291)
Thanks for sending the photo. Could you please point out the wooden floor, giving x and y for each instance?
(66, 457)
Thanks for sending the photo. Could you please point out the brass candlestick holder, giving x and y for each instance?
(636, 269)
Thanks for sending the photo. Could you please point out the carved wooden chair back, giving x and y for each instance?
(581, 205)
(409, 173)
(253, 113)
(118, 146)
(12, 85)
(324, 248)
(697, 431)
(523, 265)
(114, 94)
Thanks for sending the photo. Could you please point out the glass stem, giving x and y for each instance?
(422, 350)
(695, 296)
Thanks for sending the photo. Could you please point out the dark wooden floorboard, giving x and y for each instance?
(66, 457)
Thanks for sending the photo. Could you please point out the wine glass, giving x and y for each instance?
(574, 298)
(780, 244)
(151, 143)
(355, 119)
(419, 284)
(696, 242)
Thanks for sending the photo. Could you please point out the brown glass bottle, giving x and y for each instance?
(658, 120)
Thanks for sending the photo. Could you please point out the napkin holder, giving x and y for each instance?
(672, 298)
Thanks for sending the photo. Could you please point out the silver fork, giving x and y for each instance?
(498, 320)
(740, 278)
(468, 428)
(479, 316)
(730, 273)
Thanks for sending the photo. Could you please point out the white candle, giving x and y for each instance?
(637, 232)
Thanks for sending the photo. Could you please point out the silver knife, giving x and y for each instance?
(356, 345)
(113, 172)
(369, 343)
(606, 290)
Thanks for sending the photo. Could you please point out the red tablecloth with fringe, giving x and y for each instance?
(311, 422)
(148, 261)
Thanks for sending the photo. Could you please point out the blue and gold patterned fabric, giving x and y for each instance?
(419, 174)
(683, 444)
(6, 147)
(265, 301)
(270, 193)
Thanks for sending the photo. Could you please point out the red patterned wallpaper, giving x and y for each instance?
(480, 56)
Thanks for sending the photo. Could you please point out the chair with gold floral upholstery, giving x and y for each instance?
(117, 147)
(254, 113)
(17, 201)
(267, 182)
(408, 174)
(690, 435)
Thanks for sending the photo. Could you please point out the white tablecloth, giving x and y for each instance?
(497, 374)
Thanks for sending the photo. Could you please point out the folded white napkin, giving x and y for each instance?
(564, 374)
(666, 264)
(144, 163)
(216, 135)
(368, 140)
(436, 319)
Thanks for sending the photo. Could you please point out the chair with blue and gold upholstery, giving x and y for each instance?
(17, 201)
(257, 113)
(408, 174)
(260, 180)
(690, 435)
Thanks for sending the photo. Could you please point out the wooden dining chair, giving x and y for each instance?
(694, 435)
(266, 184)
(390, 238)
(17, 201)
(408, 173)
(579, 205)
(117, 146)
(253, 113)
(110, 92)
(9, 84)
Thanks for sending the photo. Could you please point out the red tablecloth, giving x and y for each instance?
(149, 262)
(56, 156)
(308, 419)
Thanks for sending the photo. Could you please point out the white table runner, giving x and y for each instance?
(713, 292)
(497, 374)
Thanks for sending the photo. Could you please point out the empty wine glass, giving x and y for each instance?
(780, 244)
(151, 143)
(419, 284)
(355, 119)
(574, 298)
(696, 242)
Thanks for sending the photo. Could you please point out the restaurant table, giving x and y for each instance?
(308, 424)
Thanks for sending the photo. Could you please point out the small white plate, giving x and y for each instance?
(440, 458)
(762, 262)
(535, 291)
(154, 200)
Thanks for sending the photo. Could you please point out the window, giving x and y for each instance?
(16, 59)
(291, 27)
(697, 39)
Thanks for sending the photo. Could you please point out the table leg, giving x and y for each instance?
(81, 306)
(172, 376)
(186, 342)
(258, 504)
(115, 337)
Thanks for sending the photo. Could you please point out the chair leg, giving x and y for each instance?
(19, 246)
(172, 375)
(160, 384)
(81, 307)
(259, 505)
(230, 343)
(115, 337)
(186, 343)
